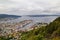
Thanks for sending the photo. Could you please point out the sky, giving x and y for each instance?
(30, 7)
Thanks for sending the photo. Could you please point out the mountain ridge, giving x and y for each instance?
(8, 16)
(41, 15)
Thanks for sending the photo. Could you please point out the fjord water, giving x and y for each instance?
(44, 19)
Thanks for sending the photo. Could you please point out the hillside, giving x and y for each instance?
(50, 32)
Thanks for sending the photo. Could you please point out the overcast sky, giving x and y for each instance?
(29, 7)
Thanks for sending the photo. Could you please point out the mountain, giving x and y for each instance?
(8, 16)
(40, 15)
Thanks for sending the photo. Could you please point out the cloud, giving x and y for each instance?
(24, 7)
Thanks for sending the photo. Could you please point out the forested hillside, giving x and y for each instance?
(50, 32)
